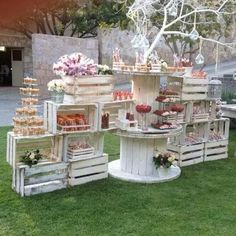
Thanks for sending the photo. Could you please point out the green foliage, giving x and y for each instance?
(76, 18)
(228, 96)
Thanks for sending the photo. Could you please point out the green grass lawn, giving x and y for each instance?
(201, 202)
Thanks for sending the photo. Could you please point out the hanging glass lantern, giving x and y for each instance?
(194, 35)
(214, 89)
(199, 59)
(173, 11)
(234, 76)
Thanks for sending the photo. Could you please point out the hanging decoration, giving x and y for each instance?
(173, 11)
(217, 58)
(194, 35)
(200, 58)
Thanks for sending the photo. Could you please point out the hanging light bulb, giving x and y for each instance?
(173, 11)
(194, 35)
(199, 59)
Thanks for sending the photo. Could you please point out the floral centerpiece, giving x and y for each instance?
(56, 85)
(164, 159)
(57, 88)
(75, 64)
(31, 157)
(104, 70)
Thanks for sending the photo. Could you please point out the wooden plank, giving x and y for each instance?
(45, 115)
(191, 162)
(45, 177)
(199, 96)
(89, 162)
(191, 155)
(194, 89)
(192, 148)
(44, 187)
(218, 143)
(45, 167)
(219, 150)
(88, 170)
(136, 157)
(86, 179)
(216, 157)
(129, 155)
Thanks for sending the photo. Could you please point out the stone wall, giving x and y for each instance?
(47, 49)
(13, 39)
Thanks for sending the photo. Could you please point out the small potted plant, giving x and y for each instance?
(57, 89)
(31, 157)
(163, 161)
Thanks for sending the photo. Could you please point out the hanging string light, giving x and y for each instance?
(217, 58)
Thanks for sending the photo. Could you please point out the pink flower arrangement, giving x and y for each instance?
(75, 64)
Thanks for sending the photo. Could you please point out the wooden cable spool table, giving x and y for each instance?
(137, 149)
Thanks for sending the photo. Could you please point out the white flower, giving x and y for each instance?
(32, 156)
(57, 85)
(171, 158)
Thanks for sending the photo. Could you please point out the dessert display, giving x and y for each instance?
(122, 95)
(215, 136)
(164, 125)
(192, 138)
(143, 108)
(199, 75)
(74, 122)
(177, 107)
(165, 99)
(165, 112)
(78, 145)
(168, 93)
(105, 121)
(26, 121)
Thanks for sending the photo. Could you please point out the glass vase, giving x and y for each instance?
(57, 97)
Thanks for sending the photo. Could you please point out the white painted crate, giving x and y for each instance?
(187, 155)
(41, 178)
(51, 110)
(189, 89)
(49, 145)
(88, 88)
(219, 126)
(113, 109)
(216, 150)
(88, 169)
(95, 140)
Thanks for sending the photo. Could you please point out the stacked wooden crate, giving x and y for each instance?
(200, 119)
(48, 175)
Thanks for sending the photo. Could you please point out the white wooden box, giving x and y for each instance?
(216, 150)
(41, 178)
(88, 169)
(49, 145)
(95, 140)
(52, 110)
(187, 155)
(188, 88)
(220, 126)
(88, 88)
(113, 109)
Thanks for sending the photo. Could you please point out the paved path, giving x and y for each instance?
(9, 100)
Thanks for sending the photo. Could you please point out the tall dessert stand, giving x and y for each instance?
(137, 147)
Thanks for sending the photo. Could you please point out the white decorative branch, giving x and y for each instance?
(141, 11)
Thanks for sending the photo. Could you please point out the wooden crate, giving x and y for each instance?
(218, 126)
(189, 89)
(88, 89)
(216, 150)
(49, 145)
(200, 129)
(187, 155)
(88, 169)
(113, 109)
(96, 141)
(51, 110)
(41, 178)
